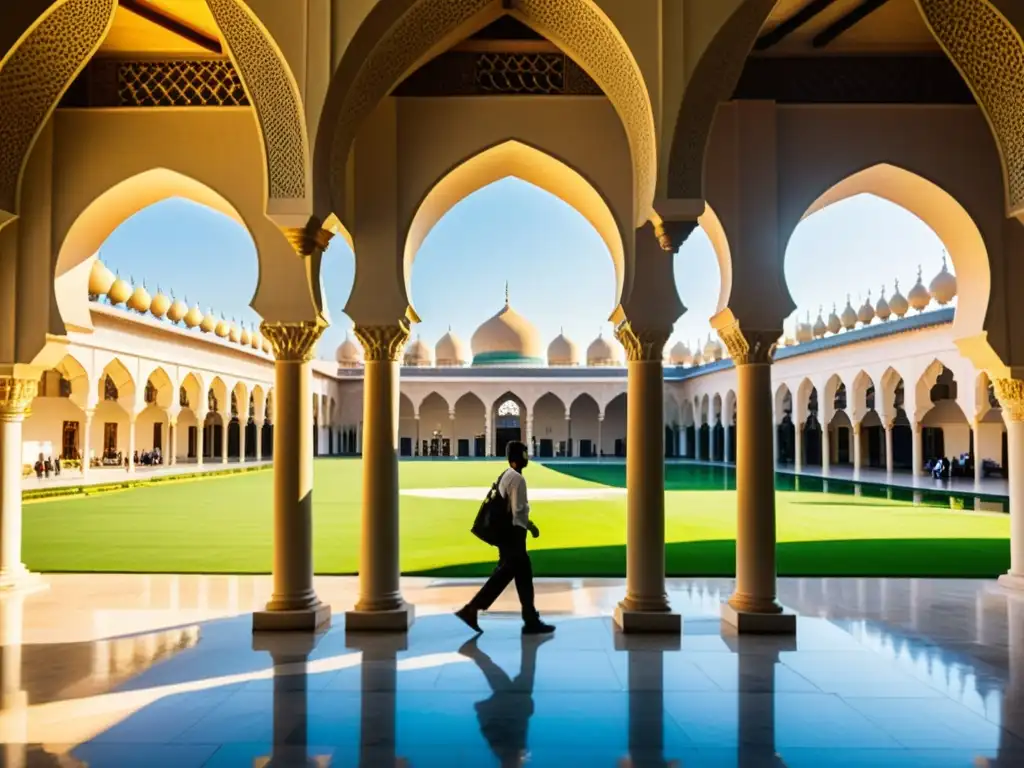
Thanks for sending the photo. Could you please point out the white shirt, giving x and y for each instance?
(512, 486)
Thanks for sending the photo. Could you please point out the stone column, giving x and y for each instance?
(16, 395)
(916, 450)
(826, 450)
(529, 434)
(86, 442)
(200, 435)
(131, 442)
(712, 442)
(259, 440)
(888, 449)
(645, 607)
(380, 606)
(857, 460)
(417, 448)
(600, 424)
(241, 440)
(978, 475)
(798, 443)
(488, 444)
(452, 441)
(225, 426)
(1011, 397)
(682, 442)
(172, 443)
(753, 607)
(727, 441)
(294, 604)
(568, 434)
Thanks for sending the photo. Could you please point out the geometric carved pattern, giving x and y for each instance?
(382, 343)
(465, 73)
(273, 94)
(642, 346)
(202, 83)
(37, 73)
(990, 56)
(521, 72)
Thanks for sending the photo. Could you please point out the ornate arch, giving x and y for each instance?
(399, 35)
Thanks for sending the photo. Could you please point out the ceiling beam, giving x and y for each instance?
(172, 24)
(840, 25)
(788, 26)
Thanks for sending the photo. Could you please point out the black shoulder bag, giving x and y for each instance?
(494, 519)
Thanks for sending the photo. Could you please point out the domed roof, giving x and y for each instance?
(223, 327)
(244, 337)
(867, 312)
(450, 351)
(209, 323)
(349, 354)
(194, 317)
(698, 357)
(234, 332)
(834, 326)
(603, 352)
(943, 285)
(882, 309)
(100, 278)
(849, 316)
(562, 351)
(680, 354)
(819, 326)
(267, 346)
(919, 297)
(177, 311)
(419, 354)
(160, 304)
(803, 331)
(120, 291)
(898, 303)
(507, 338)
(256, 338)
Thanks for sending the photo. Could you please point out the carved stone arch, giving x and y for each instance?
(277, 103)
(398, 36)
(989, 53)
(35, 74)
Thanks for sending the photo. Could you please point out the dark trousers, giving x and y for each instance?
(513, 563)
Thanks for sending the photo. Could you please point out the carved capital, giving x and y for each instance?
(749, 347)
(1010, 393)
(672, 234)
(16, 397)
(306, 241)
(293, 342)
(642, 345)
(382, 343)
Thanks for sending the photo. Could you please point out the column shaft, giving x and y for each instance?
(131, 442)
(798, 444)
(529, 434)
(826, 450)
(224, 430)
(727, 444)
(241, 440)
(855, 430)
(259, 441)
(87, 426)
(1015, 473)
(978, 475)
(916, 451)
(200, 430)
(888, 450)
(16, 397)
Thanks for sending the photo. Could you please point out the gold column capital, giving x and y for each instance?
(293, 342)
(672, 234)
(642, 345)
(16, 397)
(382, 343)
(749, 347)
(307, 240)
(1010, 393)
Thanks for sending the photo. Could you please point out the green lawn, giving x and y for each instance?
(224, 525)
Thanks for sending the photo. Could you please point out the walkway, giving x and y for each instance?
(101, 476)
(990, 486)
(164, 670)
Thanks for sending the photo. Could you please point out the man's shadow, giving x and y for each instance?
(504, 717)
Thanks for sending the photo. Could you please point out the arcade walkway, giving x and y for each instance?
(165, 671)
(71, 477)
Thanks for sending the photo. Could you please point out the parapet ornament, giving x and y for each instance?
(1010, 393)
(382, 343)
(16, 397)
(642, 345)
(293, 342)
(749, 347)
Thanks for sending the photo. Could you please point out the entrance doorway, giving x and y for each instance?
(508, 428)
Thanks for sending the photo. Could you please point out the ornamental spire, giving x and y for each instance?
(506, 293)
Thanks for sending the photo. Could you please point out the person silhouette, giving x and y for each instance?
(504, 717)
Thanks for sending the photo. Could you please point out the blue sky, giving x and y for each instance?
(559, 272)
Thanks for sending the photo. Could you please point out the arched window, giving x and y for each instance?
(840, 400)
(211, 401)
(150, 392)
(109, 390)
(234, 405)
(183, 398)
(508, 408)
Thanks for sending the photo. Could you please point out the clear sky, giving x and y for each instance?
(559, 272)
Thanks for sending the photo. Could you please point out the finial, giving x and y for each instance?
(897, 281)
(943, 259)
(918, 273)
(833, 307)
(882, 292)
(869, 296)
(847, 298)
(506, 293)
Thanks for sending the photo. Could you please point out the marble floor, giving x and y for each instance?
(133, 670)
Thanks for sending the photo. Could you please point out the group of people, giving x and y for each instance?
(943, 468)
(47, 466)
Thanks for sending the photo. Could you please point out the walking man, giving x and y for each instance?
(513, 560)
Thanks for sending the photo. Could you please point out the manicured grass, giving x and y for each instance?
(224, 525)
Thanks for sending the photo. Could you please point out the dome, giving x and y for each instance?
(194, 317)
(450, 351)
(267, 347)
(680, 354)
(508, 338)
(120, 291)
(819, 326)
(419, 354)
(943, 285)
(919, 297)
(140, 299)
(803, 331)
(867, 312)
(349, 354)
(603, 352)
(234, 332)
(244, 337)
(100, 279)
(177, 311)
(898, 304)
(882, 309)
(698, 358)
(834, 325)
(209, 323)
(223, 327)
(562, 351)
(849, 317)
(256, 338)
(160, 304)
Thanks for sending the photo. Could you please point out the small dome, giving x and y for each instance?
(256, 338)
(562, 351)
(419, 354)
(450, 351)
(898, 304)
(882, 309)
(267, 346)
(120, 291)
(349, 354)
(919, 297)
(160, 304)
(507, 338)
(943, 285)
(194, 317)
(603, 352)
(680, 354)
(209, 323)
(177, 311)
(790, 341)
(820, 328)
(100, 279)
(804, 332)
(849, 316)
(234, 332)
(244, 337)
(223, 327)
(834, 325)
(140, 299)
(698, 358)
(867, 312)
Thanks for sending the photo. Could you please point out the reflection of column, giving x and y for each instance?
(13, 698)
(1011, 396)
(798, 445)
(646, 683)
(888, 449)
(291, 701)
(378, 697)
(753, 607)
(529, 434)
(86, 443)
(727, 443)
(200, 434)
(131, 442)
(380, 605)
(645, 607)
(294, 604)
(855, 431)
(15, 405)
(826, 450)
(755, 676)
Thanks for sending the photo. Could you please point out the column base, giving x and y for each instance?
(630, 621)
(750, 622)
(393, 620)
(1012, 581)
(21, 579)
(302, 620)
